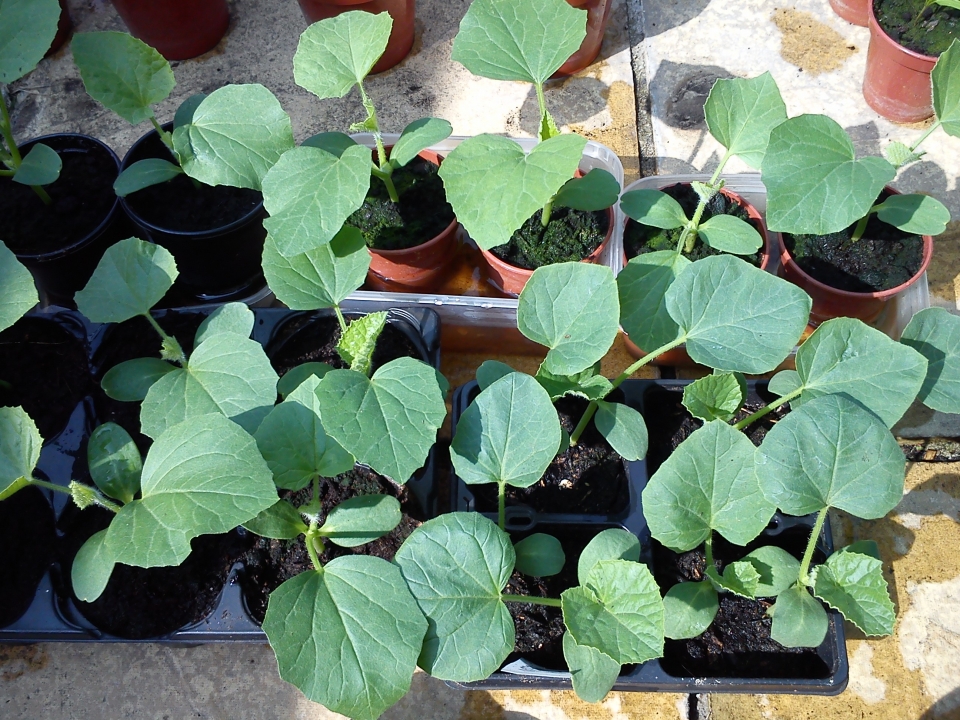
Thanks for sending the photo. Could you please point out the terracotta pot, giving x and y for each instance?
(178, 29)
(853, 11)
(402, 12)
(598, 14)
(897, 81)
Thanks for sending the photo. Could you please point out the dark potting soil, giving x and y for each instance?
(883, 258)
(640, 239)
(27, 536)
(180, 205)
(587, 478)
(923, 28)
(421, 214)
(43, 369)
(82, 197)
(270, 563)
(570, 236)
(143, 603)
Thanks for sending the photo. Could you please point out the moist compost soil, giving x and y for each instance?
(270, 563)
(884, 258)
(589, 477)
(82, 197)
(421, 214)
(926, 30)
(27, 536)
(44, 370)
(141, 603)
(180, 205)
(641, 239)
(570, 236)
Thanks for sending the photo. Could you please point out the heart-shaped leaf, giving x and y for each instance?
(334, 143)
(41, 166)
(611, 544)
(593, 673)
(92, 568)
(799, 619)
(539, 555)
(898, 154)
(586, 384)
(653, 208)
(490, 371)
(777, 569)
(417, 137)
(114, 462)
(935, 334)
(27, 28)
(294, 377)
(19, 292)
(740, 578)
(853, 583)
(235, 317)
(145, 173)
(185, 113)
(689, 608)
(730, 234)
(362, 519)
(945, 77)
(741, 112)
(642, 287)
(280, 521)
(714, 397)
(597, 190)
(20, 443)
(919, 214)
(357, 344)
(624, 429)
(130, 380)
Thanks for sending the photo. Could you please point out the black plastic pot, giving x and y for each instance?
(217, 261)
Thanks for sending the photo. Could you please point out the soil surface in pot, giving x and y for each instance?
(570, 236)
(926, 29)
(44, 370)
(640, 239)
(882, 259)
(587, 478)
(81, 199)
(270, 563)
(142, 603)
(179, 205)
(27, 536)
(421, 214)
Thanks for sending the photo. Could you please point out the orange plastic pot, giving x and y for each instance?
(403, 13)
(598, 14)
(853, 11)
(897, 81)
(178, 29)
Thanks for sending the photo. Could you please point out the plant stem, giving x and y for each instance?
(387, 181)
(309, 537)
(168, 341)
(750, 419)
(7, 131)
(708, 549)
(373, 125)
(49, 486)
(502, 505)
(913, 148)
(545, 214)
(7, 173)
(42, 194)
(340, 318)
(549, 602)
(165, 137)
(811, 545)
(862, 225)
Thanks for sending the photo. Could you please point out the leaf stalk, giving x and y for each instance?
(549, 602)
(804, 577)
(750, 419)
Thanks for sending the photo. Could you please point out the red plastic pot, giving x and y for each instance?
(178, 29)
(853, 11)
(598, 14)
(402, 12)
(897, 81)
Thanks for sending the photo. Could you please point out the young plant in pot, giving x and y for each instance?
(195, 190)
(526, 210)
(403, 213)
(848, 239)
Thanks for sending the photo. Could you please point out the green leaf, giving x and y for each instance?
(785, 382)
(642, 286)
(935, 334)
(238, 133)
(114, 462)
(456, 566)
(735, 316)
(689, 608)
(357, 344)
(571, 308)
(611, 544)
(854, 584)
(830, 452)
(389, 421)
(201, 476)
(490, 371)
(293, 378)
(358, 611)
(335, 54)
(624, 429)
(846, 356)
(130, 380)
(417, 137)
(898, 154)
(294, 443)
(310, 193)
(714, 397)
(653, 208)
(41, 166)
(19, 292)
(493, 186)
(740, 578)
(132, 277)
(586, 384)
(185, 113)
(946, 89)
(919, 214)
(362, 519)
(799, 620)
(92, 568)
(280, 521)
(708, 483)
(227, 374)
(730, 234)
(597, 190)
(20, 443)
(539, 555)
(509, 434)
(506, 40)
(777, 569)
(334, 143)
(617, 611)
(741, 112)
(814, 182)
(27, 28)
(593, 673)
(145, 173)
(234, 317)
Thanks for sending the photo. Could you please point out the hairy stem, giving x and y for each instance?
(165, 137)
(926, 134)
(750, 419)
(386, 177)
(549, 602)
(340, 318)
(168, 341)
(373, 125)
(310, 536)
(811, 545)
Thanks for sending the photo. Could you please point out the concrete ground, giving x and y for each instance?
(643, 98)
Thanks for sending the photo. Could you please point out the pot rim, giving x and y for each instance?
(876, 29)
